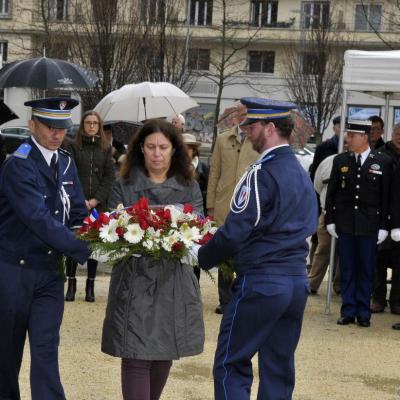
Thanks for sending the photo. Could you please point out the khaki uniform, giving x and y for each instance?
(229, 160)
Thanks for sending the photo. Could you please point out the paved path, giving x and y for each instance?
(333, 362)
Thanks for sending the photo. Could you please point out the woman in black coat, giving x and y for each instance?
(92, 155)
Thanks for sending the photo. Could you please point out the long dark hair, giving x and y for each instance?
(180, 166)
(104, 144)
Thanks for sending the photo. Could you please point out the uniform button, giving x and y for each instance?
(357, 186)
(359, 168)
(56, 212)
(355, 207)
(49, 252)
(45, 196)
(356, 197)
(358, 176)
(22, 262)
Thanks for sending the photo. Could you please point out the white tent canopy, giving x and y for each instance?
(372, 71)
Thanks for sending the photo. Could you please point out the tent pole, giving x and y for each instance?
(333, 240)
(387, 101)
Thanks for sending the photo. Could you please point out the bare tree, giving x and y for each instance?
(313, 70)
(121, 41)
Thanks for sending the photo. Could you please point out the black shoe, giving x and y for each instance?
(364, 324)
(396, 326)
(219, 309)
(377, 307)
(313, 292)
(345, 320)
(71, 290)
(89, 290)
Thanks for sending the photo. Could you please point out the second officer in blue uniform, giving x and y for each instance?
(41, 201)
(273, 211)
(357, 213)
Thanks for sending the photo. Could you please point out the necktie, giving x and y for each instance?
(359, 160)
(53, 165)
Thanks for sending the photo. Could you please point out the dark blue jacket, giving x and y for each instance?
(288, 215)
(34, 222)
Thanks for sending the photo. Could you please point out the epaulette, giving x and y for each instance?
(65, 152)
(23, 151)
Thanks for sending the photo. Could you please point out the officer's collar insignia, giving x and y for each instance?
(243, 195)
(375, 167)
(23, 151)
(344, 169)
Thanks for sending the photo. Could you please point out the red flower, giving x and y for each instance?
(207, 237)
(104, 219)
(187, 208)
(144, 224)
(177, 246)
(120, 231)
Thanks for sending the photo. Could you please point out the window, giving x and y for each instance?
(58, 9)
(262, 61)
(368, 17)
(309, 64)
(362, 113)
(263, 13)
(199, 59)
(4, 8)
(153, 11)
(200, 12)
(315, 14)
(3, 52)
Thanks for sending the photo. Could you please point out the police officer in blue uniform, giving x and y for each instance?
(357, 213)
(41, 202)
(273, 211)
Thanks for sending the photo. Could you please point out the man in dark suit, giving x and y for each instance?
(41, 202)
(377, 126)
(357, 213)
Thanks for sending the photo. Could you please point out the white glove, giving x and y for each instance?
(382, 235)
(331, 228)
(192, 256)
(395, 234)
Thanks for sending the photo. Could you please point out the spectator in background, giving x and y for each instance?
(395, 220)
(178, 121)
(118, 150)
(3, 153)
(377, 126)
(92, 155)
(200, 170)
(389, 250)
(323, 150)
(232, 154)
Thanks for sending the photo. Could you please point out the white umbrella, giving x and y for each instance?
(138, 102)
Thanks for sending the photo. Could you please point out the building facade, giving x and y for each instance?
(256, 35)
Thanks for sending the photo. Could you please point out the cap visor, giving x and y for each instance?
(249, 121)
(54, 123)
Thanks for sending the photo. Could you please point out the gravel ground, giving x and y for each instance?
(332, 362)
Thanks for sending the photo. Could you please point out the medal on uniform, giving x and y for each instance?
(343, 183)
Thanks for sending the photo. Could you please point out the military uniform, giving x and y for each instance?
(39, 205)
(357, 203)
(273, 211)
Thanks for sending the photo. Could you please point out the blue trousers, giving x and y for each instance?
(31, 302)
(357, 255)
(264, 317)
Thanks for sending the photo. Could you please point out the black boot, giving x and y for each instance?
(89, 290)
(71, 290)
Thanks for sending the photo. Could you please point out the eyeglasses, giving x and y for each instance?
(91, 123)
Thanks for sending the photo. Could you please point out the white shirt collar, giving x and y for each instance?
(47, 154)
(364, 155)
(265, 152)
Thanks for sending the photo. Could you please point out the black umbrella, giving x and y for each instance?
(6, 114)
(46, 73)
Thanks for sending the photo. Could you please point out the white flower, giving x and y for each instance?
(148, 244)
(189, 234)
(134, 233)
(108, 232)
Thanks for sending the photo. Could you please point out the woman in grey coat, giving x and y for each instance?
(154, 310)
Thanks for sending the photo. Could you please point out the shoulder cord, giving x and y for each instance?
(247, 176)
(66, 203)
